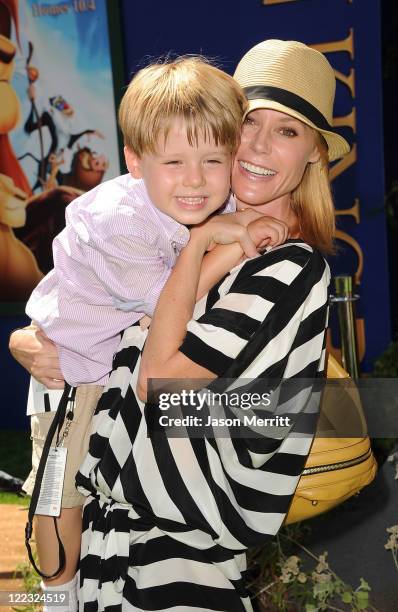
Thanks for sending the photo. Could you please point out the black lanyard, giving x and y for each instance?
(68, 396)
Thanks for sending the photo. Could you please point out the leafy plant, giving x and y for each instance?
(15, 452)
(386, 366)
(31, 584)
(392, 543)
(285, 583)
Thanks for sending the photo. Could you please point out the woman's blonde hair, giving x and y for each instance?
(207, 99)
(312, 202)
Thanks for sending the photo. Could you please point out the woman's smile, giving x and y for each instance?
(255, 171)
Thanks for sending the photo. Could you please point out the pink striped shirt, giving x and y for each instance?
(110, 265)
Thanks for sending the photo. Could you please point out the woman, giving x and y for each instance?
(167, 520)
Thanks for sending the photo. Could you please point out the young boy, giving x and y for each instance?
(181, 124)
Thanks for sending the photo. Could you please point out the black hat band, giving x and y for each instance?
(289, 99)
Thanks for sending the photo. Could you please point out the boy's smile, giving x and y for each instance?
(187, 182)
(192, 202)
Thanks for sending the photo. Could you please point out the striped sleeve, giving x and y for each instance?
(259, 290)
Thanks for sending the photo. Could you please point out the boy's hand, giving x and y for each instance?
(224, 229)
(37, 354)
(263, 229)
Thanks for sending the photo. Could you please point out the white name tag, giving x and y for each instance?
(41, 399)
(49, 502)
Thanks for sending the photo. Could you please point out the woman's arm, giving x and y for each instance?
(37, 354)
(161, 357)
(263, 230)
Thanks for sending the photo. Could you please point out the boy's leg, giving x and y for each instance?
(70, 521)
(69, 526)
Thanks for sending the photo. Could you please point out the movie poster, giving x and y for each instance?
(58, 133)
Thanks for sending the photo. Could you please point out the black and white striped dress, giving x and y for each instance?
(167, 520)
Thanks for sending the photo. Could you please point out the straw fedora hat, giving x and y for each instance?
(289, 77)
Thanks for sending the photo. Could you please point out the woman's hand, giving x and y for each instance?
(37, 354)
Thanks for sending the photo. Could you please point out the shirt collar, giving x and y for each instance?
(176, 231)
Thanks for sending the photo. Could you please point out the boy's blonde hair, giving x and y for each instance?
(313, 203)
(209, 101)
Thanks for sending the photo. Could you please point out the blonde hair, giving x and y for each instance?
(312, 202)
(209, 101)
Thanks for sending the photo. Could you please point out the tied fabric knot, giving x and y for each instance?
(114, 522)
(120, 526)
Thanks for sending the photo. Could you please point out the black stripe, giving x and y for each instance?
(185, 594)
(109, 467)
(176, 487)
(286, 463)
(238, 323)
(214, 295)
(158, 549)
(203, 354)
(251, 499)
(261, 446)
(109, 401)
(265, 287)
(311, 326)
(293, 252)
(126, 357)
(291, 100)
(309, 371)
(268, 287)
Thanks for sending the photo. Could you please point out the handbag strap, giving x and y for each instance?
(59, 418)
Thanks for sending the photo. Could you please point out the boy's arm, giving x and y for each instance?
(263, 230)
(161, 357)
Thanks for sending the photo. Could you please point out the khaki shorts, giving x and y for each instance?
(76, 442)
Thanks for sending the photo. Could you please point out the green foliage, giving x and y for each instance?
(382, 447)
(283, 581)
(15, 453)
(14, 498)
(386, 366)
(392, 543)
(31, 584)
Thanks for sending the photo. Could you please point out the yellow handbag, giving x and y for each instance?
(336, 468)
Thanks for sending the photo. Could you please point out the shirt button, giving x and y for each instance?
(174, 247)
